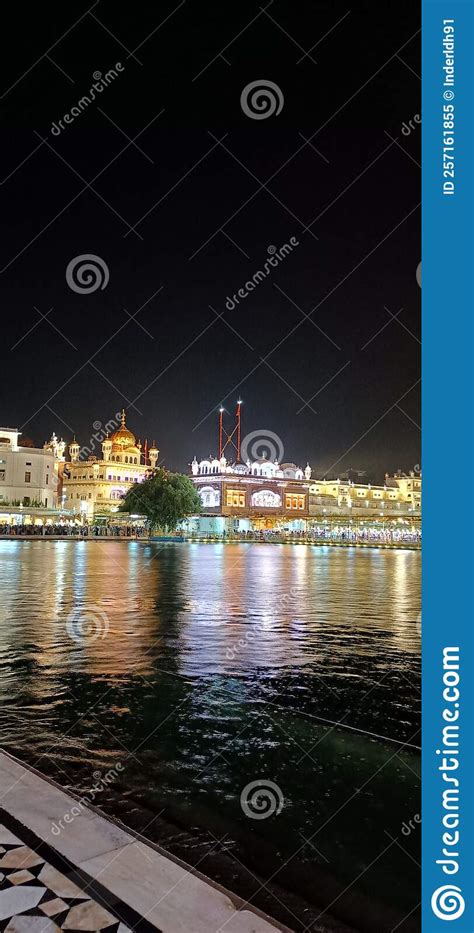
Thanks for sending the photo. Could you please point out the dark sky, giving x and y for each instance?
(205, 214)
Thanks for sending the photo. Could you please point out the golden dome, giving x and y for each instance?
(123, 439)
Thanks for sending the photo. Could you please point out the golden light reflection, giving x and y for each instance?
(117, 610)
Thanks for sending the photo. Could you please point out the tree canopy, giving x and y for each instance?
(163, 499)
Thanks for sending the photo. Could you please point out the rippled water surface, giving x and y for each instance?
(201, 668)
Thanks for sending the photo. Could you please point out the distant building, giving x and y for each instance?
(258, 494)
(409, 485)
(261, 494)
(399, 496)
(93, 486)
(29, 476)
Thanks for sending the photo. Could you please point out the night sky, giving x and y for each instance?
(184, 215)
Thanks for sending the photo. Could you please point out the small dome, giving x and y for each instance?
(123, 439)
(238, 467)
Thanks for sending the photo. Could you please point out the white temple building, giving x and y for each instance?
(260, 467)
(29, 476)
(257, 494)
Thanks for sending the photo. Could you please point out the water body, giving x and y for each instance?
(201, 668)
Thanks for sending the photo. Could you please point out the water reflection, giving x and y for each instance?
(213, 661)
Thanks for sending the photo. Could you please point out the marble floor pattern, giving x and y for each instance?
(36, 898)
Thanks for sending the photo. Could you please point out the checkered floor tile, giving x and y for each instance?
(36, 898)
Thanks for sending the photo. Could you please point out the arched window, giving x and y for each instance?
(209, 497)
(117, 494)
(266, 498)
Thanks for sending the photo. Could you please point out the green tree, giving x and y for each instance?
(163, 499)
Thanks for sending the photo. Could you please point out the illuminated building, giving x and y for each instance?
(409, 486)
(93, 486)
(261, 494)
(400, 495)
(29, 476)
(251, 495)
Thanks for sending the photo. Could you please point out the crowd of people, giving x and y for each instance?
(74, 531)
(317, 535)
(329, 534)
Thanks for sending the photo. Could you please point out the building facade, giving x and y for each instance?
(409, 485)
(29, 476)
(399, 496)
(95, 486)
(256, 495)
(264, 495)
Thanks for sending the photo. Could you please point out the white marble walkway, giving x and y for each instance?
(134, 879)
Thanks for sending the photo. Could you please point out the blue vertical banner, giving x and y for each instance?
(448, 394)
